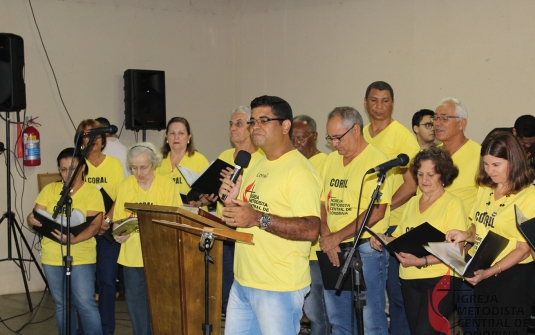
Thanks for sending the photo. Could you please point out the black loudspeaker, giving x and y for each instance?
(144, 99)
(12, 86)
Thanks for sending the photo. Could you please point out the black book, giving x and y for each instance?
(489, 248)
(413, 241)
(330, 273)
(206, 182)
(526, 227)
(49, 225)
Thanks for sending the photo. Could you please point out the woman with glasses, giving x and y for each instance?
(144, 186)
(433, 170)
(178, 150)
(106, 172)
(87, 200)
(504, 291)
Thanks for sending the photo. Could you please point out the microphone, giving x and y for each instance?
(103, 130)
(400, 160)
(242, 161)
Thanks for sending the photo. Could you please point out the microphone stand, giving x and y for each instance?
(66, 201)
(205, 244)
(356, 263)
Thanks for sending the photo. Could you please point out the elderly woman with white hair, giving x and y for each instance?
(144, 186)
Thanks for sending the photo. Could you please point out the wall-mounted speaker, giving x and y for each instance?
(12, 86)
(144, 99)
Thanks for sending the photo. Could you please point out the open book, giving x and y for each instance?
(526, 227)
(125, 226)
(489, 248)
(206, 182)
(412, 242)
(78, 223)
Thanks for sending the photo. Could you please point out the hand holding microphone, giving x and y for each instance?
(241, 161)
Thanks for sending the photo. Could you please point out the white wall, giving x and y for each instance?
(90, 45)
(317, 54)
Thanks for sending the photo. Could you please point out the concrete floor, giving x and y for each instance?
(15, 317)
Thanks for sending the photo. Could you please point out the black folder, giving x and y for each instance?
(48, 226)
(526, 227)
(412, 242)
(208, 182)
(330, 273)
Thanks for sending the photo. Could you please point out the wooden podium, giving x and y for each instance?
(174, 267)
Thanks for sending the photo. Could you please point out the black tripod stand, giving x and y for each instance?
(13, 227)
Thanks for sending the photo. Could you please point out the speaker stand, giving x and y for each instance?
(13, 228)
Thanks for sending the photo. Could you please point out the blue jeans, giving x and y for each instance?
(258, 312)
(107, 254)
(228, 272)
(137, 300)
(314, 307)
(339, 307)
(82, 297)
(398, 318)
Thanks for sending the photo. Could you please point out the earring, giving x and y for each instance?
(188, 141)
(82, 147)
(166, 141)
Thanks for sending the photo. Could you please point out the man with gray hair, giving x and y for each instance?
(450, 120)
(342, 175)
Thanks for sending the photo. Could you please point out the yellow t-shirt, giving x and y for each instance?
(467, 161)
(228, 157)
(87, 198)
(392, 141)
(108, 175)
(444, 214)
(499, 216)
(197, 163)
(341, 188)
(317, 162)
(162, 192)
(287, 187)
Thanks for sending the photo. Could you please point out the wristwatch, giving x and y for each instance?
(265, 221)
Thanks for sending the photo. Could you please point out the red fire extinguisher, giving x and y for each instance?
(32, 151)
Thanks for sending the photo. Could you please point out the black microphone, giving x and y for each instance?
(400, 160)
(103, 130)
(242, 161)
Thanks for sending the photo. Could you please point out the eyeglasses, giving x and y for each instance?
(444, 118)
(140, 168)
(66, 170)
(427, 125)
(263, 120)
(339, 138)
(301, 140)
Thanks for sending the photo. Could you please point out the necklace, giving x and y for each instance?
(495, 213)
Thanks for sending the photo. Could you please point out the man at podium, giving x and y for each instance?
(278, 202)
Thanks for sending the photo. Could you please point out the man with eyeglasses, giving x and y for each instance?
(342, 175)
(278, 201)
(392, 138)
(450, 120)
(422, 125)
(304, 139)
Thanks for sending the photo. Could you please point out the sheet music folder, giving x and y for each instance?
(49, 225)
(413, 241)
(526, 227)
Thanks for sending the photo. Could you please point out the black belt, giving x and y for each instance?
(348, 245)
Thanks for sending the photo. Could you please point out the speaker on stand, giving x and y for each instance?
(13, 99)
(144, 99)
